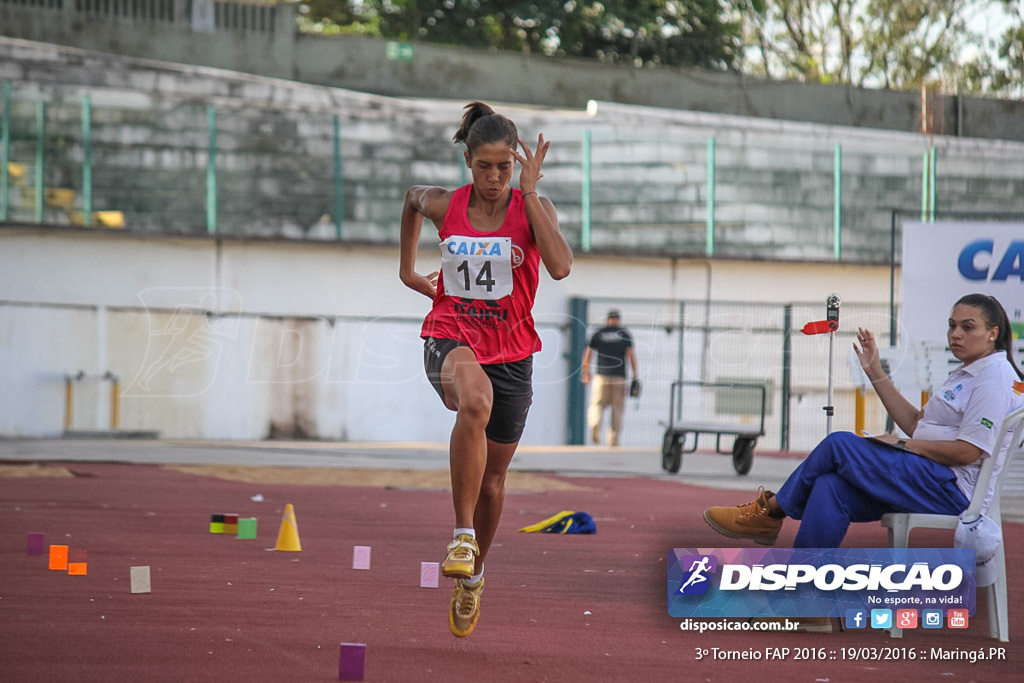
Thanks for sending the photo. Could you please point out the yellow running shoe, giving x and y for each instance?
(465, 608)
(461, 560)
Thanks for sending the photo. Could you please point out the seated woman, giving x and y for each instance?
(847, 478)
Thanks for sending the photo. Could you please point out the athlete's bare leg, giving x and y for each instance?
(467, 391)
(492, 496)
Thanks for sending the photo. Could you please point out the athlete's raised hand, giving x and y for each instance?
(530, 162)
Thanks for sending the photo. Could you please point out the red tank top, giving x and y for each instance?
(487, 285)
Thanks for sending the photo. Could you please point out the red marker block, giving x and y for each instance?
(59, 558)
(78, 562)
(231, 524)
(352, 665)
(36, 543)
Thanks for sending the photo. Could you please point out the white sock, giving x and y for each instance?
(475, 579)
(467, 532)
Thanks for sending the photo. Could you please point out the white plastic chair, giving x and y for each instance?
(899, 524)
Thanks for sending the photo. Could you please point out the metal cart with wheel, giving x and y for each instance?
(745, 436)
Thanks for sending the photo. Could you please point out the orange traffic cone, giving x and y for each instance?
(288, 535)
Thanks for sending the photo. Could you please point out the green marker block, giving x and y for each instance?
(246, 527)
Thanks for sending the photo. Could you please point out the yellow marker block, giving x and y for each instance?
(103, 219)
(109, 219)
(59, 197)
(17, 171)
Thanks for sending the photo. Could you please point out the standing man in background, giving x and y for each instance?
(613, 344)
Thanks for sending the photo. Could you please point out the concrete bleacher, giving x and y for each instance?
(649, 173)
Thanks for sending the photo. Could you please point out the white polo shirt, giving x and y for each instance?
(970, 406)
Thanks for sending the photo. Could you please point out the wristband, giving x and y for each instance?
(528, 193)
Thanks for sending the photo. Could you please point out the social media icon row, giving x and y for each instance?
(905, 618)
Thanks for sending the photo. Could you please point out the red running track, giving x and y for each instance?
(556, 608)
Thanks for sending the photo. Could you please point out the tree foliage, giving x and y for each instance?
(1008, 76)
(640, 32)
(878, 43)
(874, 43)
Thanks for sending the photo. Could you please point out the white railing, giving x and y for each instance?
(202, 15)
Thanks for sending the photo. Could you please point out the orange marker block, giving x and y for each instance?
(59, 557)
(78, 562)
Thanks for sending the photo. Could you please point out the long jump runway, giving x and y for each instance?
(556, 607)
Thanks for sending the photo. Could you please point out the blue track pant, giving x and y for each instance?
(847, 478)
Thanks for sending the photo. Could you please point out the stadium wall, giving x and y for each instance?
(261, 38)
(249, 339)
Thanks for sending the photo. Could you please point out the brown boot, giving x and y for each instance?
(747, 521)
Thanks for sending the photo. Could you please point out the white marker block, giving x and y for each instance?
(140, 579)
(429, 574)
(361, 557)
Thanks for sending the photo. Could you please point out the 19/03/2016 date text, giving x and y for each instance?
(852, 654)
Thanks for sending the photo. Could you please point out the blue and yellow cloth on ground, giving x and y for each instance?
(565, 522)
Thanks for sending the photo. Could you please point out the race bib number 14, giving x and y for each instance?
(477, 268)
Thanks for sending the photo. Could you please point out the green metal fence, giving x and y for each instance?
(237, 168)
(723, 341)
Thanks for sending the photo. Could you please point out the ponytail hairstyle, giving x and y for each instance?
(995, 316)
(482, 126)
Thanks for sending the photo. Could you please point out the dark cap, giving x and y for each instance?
(613, 313)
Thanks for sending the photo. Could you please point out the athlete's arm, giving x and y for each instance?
(632, 361)
(585, 376)
(421, 201)
(555, 252)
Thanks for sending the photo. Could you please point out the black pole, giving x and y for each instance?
(889, 423)
(787, 369)
(892, 280)
(576, 413)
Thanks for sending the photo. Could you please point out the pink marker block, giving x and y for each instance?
(361, 557)
(140, 579)
(36, 542)
(352, 665)
(429, 574)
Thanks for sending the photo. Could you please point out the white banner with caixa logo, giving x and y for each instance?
(944, 261)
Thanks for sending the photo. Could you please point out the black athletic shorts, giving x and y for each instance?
(511, 384)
